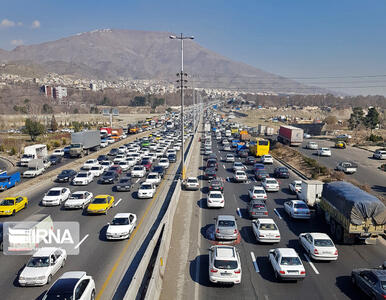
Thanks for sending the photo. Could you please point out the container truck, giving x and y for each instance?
(84, 142)
(116, 133)
(105, 132)
(33, 152)
(290, 135)
(352, 213)
(8, 181)
(310, 192)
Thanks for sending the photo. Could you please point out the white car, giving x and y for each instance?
(266, 230)
(138, 171)
(79, 280)
(224, 265)
(110, 140)
(122, 149)
(318, 245)
(270, 184)
(122, 226)
(267, 159)
(33, 172)
(124, 165)
(286, 264)
(146, 190)
(78, 199)
(215, 199)
(312, 146)
(97, 170)
(90, 163)
(230, 158)
(164, 162)
(238, 166)
(257, 192)
(240, 176)
(324, 151)
(297, 209)
(58, 152)
(154, 178)
(56, 196)
(119, 158)
(343, 136)
(104, 143)
(295, 186)
(191, 184)
(43, 264)
(131, 161)
(83, 178)
(379, 154)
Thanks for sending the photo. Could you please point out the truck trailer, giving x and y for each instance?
(33, 152)
(83, 142)
(290, 135)
(352, 214)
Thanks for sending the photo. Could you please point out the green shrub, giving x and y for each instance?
(56, 144)
(49, 147)
(64, 141)
(375, 138)
(13, 151)
(1, 148)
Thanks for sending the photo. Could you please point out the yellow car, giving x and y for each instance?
(340, 145)
(10, 206)
(100, 204)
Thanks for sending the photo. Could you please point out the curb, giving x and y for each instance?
(296, 171)
(363, 148)
(8, 160)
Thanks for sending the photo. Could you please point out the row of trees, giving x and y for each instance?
(370, 121)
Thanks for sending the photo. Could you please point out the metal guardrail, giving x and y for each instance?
(296, 171)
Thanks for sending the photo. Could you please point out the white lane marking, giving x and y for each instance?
(254, 179)
(117, 202)
(239, 212)
(137, 180)
(254, 262)
(311, 264)
(266, 297)
(276, 212)
(77, 245)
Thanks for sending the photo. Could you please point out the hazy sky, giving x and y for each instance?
(298, 39)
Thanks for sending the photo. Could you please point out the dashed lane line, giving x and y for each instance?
(254, 262)
(118, 202)
(277, 213)
(311, 264)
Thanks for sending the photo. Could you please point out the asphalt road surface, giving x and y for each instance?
(367, 173)
(324, 280)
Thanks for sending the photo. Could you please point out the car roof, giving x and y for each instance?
(225, 252)
(102, 196)
(266, 221)
(58, 188)
(258, 187)
(79, 192)
(73, 274)
(298, 202)
(289, 252)
(122, 215)
(297, 181)
(319, 235)
(46, 251)
(226, 217)
(215, 192)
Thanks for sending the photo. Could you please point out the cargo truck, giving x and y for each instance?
(310, 192)
(290, 135)
(116, 133)
(84, 142)
(352, 213)
(33, 152)
(8, 181)
(105, 132)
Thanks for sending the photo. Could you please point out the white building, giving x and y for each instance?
(60, 92)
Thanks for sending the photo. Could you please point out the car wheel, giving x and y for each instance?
(277, 276)
(25, 205)
(13, 212)
(49, 279)
(353, 280)
(63, 263)
(92, 295)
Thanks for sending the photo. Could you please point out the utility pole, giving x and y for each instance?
(182, 80)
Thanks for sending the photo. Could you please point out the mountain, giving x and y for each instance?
(117, 54)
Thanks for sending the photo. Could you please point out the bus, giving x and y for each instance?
(259, 147)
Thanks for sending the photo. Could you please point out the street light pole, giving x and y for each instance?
(182, 81)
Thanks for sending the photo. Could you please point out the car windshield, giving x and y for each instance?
(124, 181)
(39, 262)
(323, 243)
(6, 202)
(237, 164)
(137, 169)
(290, 261)
(271, 181)
(66, 172)
(99, 201)
(258, 192)
(95, 168)
(145, 187)
(215, 195)
(152, 176)
(77, 196)
(109, 174)
(226, 223)
(239, 173)
(82, 175)
(105, 163)
(301, 206)
(192, 180)
(121, 221)
(58, 296)
(283, 170)
(53, 193)
(225, 264)
(5, 179)
(268, 227)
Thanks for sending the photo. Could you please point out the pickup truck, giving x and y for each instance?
(8, 181)
(35, 168)
(347, 167)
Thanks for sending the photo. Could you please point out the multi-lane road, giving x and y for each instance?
(324, 280)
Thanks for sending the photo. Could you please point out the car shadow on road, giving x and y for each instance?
(287, 191)
(347, 288)
(202, 203)
(265, 268)
(244, 198)
(205, 190)
(379, 188)
(200, 264)
(207, 232)
(201, 177)
(244, 213)
(280, 201)
(247, 235)
(102, 234)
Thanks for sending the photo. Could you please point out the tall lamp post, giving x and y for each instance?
(182, 81)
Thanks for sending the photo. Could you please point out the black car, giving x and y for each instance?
(243, 153)
(216, 185)
(250, 160)
(102, 158)
(160, 170)
(108, 177)
(66, 176)
(212, 163)
(113, 152)
(370, 281)
(123, 185)
(261, 174)
(210, 173)
(172, 158)
(281, 172)
(55, 159)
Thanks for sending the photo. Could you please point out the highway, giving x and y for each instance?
(324, 280)
(367, 173)
(98, 256)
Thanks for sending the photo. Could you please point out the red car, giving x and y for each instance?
(117, 169)
(146, 163)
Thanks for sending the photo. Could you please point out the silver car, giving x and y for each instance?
(226, 228)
